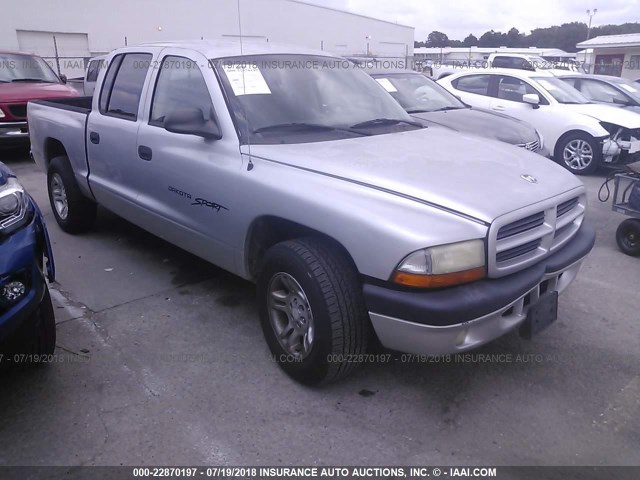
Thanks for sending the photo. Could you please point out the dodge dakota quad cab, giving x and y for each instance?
(27, 322)
(293, 169)
(25, 77)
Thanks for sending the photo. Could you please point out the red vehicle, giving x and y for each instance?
(25, 77)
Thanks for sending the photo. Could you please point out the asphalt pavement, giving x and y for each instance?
(160, 360)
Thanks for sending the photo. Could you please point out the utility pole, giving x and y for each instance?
(591, 14)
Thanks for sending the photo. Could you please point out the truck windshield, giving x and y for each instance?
(25, 68)
(417, 94)
(303, 98)
(559, 90)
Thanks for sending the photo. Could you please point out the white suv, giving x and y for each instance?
(580, 134)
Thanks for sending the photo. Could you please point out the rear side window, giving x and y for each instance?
(94, 69)
(180, 86)
(478, 84)
(123, 85)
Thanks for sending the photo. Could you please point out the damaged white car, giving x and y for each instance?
(580, 134)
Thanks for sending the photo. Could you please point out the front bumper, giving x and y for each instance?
(21, 255)
(13, 131)
(460, 318)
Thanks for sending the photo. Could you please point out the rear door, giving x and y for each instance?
(112, 131)
(474, 89)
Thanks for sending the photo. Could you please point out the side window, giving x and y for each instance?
(601, 92)
(502, 62)
(107, 83)
(512, 89)
(478, 84)
(93, 70)
(126, 82)
(180, 86)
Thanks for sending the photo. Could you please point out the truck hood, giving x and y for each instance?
(608, 113)
(464, 173)
(25, 91)
(482, 122)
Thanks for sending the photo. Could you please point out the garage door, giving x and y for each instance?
(73, 49)
(391, 50)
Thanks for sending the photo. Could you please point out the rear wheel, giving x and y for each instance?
(579, 153)
(312, 310)
(73, 211)
(628, 237)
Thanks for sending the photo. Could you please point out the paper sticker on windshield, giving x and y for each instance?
(629, 88)
(246, 80)
(388, 86)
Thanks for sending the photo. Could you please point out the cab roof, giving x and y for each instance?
(214, 49)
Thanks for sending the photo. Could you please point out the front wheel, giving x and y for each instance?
(628, 237)
(312, 311)
(579, 153)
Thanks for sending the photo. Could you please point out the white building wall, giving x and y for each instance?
(107, 23)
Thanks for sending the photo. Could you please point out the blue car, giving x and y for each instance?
(27, 321)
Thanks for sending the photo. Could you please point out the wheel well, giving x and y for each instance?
(267, 231)
(53, 148)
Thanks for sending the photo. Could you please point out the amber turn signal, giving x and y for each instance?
(439, 281)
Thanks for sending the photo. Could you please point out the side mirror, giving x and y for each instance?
(63, 78)
(532, 99)
(191, 121)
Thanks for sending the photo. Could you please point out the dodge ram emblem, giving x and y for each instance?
(529, 178)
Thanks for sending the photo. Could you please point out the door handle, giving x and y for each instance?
(145, 153)
(498, 108)
(94, 137)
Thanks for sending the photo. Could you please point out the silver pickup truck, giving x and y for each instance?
(294, 170)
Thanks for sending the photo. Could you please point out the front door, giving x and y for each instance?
(189, 181)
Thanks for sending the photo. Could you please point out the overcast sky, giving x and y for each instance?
(459, 18)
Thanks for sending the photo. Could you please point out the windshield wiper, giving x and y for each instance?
(378, 122)
(445, 109)
(305, 126)
(31, 80)
(417, 110)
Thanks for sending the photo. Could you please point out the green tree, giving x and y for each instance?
(470, 41)
(437, 39)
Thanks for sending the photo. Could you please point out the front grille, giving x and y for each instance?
(567, 206)
(531, 146)
(517, 251)
(19, 111)
(524, 237)
(520, 226)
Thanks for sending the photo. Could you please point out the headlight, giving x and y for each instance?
(443, 266)
(14, 206)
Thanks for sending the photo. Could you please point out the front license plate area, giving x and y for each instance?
(540, 315)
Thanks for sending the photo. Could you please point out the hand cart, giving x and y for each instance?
(628, 233)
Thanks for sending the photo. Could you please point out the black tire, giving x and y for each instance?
(338, 313)
(81, 211)
(628, 237)
(565, 143)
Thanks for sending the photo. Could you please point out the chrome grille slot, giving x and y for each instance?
(523, 225)
(517, 251)
(531, 146)
(526, 236)
(567, 206)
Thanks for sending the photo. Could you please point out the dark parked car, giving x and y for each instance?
(25, 77)
(427, 101)
(607, 89)
(27, 322)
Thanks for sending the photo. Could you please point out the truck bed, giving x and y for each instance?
(60, 126)
(74, 104)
